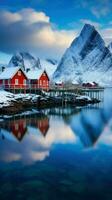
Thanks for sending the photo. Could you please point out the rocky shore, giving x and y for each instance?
(11, 104)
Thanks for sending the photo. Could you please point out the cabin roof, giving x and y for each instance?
(59, 82)
(9, 72)
(35, 74)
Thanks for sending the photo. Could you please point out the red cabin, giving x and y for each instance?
(90, 85)
(13, 77)
(38, 79)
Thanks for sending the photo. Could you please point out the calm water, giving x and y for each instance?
(61, 154)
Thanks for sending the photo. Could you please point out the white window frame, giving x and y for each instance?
(40, 82)
(24, 82)
(3, 81)
(16, 81)
(9, 82)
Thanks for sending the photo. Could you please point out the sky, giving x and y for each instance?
(46, 27)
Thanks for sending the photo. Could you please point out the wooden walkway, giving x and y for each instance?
(64, 93)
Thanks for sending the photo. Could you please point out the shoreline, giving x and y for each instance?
(37, 102)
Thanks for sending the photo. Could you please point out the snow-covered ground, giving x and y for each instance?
(6, 98)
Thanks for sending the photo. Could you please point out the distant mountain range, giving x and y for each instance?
(24, 60)
(87, 59)
(28, 62)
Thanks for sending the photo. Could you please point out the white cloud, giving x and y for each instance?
(29, 30)
(98, 12)
(31, 16)
(107, 34)
(7, 17)
(34, 147)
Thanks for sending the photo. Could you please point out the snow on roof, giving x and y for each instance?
(9, 72)
(91, 83)
(59, 82)
(34, 74)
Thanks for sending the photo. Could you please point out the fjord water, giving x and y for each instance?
(64, 153)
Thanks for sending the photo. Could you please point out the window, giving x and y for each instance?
(44, 74)
(19, 73)
(24, 82)
(40, 82)
(3, 82)
(16, 127)
(16, 81)
(44, 82)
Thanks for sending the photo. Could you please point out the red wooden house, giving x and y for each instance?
(13, 77)
(90, 85)
(38, 79)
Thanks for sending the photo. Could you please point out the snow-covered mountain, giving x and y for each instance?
(87, 59)
(52, 61)
(110, 47)
(24, 60)
(27, 61)
(49, 65)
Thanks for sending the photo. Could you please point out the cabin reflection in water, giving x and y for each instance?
(86, 126)
(42, 123)
(19, 127)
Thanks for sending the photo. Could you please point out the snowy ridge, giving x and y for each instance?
(48, 66)
(27, 62)
(110, 47)
(87, 59)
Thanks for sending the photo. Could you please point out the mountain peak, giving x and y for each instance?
(24, 60)
(87, 58)
(89, 36)
(88, 26)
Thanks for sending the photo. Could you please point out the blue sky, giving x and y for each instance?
(65, 12)
(50, 26)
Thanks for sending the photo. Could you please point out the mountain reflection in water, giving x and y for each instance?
(61, 154)
(39, 133)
